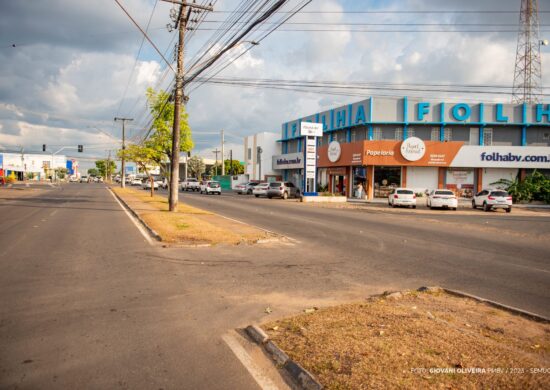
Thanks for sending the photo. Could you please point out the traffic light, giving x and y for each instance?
(80, 148)
(43, 147)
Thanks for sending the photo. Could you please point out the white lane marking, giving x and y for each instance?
(53, 213)
(133, 219)
(241, 354)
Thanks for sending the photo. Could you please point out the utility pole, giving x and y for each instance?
(122, 163)
(223, 155)
(231, 161)
(181, 24)
(108, 170)
(216, 164)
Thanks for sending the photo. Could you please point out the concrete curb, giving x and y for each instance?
(302, 378)
(151, 231)
(510, 309)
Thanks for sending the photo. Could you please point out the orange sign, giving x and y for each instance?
(436, 154)
(351, 154)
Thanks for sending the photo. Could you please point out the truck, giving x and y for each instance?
(190, 184)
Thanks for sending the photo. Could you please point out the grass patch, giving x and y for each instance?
(189, 225)
(385, 343)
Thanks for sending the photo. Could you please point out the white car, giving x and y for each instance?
(211, 187)
(492, 199)
(146, 184)
(137, 181)
(260, 190)
(402, 197)
(442, 199)
(245, 188)
(190, 184)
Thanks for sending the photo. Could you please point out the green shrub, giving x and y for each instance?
(536, 186)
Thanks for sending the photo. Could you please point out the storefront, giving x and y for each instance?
(371, 146)
(292, 166)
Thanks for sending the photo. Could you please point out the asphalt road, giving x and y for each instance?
(504, 257)
(88, 303)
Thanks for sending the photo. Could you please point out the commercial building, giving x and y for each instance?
(374, 145)
(258, 151)
(21, 164)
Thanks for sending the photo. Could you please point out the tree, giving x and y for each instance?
(536, 186)
(238, 168)
(144, 156)
(105, 167)
(93, 172)
(61, 172)
(196, 166)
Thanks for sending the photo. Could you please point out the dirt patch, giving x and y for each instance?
(190, 225)
(419, 340)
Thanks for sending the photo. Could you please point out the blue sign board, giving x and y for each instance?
(1, 161)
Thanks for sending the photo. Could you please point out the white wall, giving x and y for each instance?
(422, 178)
(491, 175)
(32, 162)
(270, 146)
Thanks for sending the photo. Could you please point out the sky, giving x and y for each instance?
(69, 67)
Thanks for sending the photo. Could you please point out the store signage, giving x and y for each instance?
(311, 129)
(334, 151)
(311, 157)
(413, 149)
(379, 152)
(503, 157)
(288, 161)
(1, 161)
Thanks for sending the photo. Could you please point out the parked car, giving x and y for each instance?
(492, 199)
(260, 190)
(442, 199)
(137, 181)
(210, 187)
(402, 197)
(73, 179)
(283, 189)
(83, 179)
(245, 188)
(146, 184)
(190, 184)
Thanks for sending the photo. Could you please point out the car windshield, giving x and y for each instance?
(405, 192)
(275, 184)
(253, 184)
(214, 184)
(499, 193)
(444, 193)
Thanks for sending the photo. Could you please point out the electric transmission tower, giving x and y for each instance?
(527, 74)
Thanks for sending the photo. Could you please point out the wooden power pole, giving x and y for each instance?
(122, 162)
(181, 24)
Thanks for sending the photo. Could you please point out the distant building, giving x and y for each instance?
(22, 164)
(258, 166)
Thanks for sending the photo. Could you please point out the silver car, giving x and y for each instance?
(282, 189)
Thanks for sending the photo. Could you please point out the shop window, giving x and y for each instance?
(487, 137)
(434, 134)
(410, 132)
(398, 133)
(447, 135)
(377, 134)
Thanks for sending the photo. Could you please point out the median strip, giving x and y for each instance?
(190, 225)
(413, 339)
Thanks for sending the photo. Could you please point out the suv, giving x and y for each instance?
(83, 179)
(211, 187)
(402, 197)
(282, 189)
(492, 199)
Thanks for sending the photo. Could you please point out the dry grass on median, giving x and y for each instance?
(189, 225)
(386, 343)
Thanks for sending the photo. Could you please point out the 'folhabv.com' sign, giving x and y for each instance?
(503, 157)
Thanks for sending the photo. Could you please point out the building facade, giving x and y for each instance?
(374, 145)
(258, 166)
(23, 164)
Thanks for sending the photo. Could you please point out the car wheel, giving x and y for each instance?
(486, 207)
(285, 195)
(509, 209)
(474, 204)
(454, 208)
(219, 193)
(414, 207)
(297, 195)
(393, 205)
(269, 197)
(257, 196)
(249, 192)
